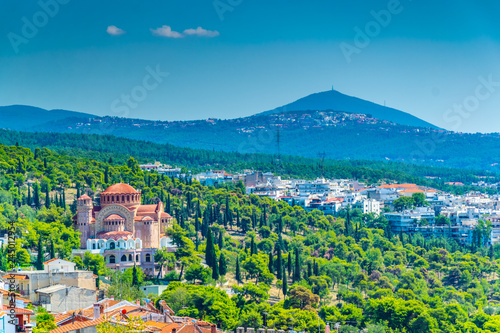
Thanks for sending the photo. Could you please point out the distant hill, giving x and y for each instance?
(334, 100)
(362, 131)
(23, 117)
(340, 135)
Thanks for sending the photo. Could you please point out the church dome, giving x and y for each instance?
(120, 188)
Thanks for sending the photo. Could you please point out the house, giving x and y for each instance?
(56, 271)
(60, 297)
(87, 319)
(154, 289)
(21, 316)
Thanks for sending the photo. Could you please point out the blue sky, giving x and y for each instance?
(438, 61)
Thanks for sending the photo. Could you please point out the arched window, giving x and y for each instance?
(137, 257)
(112, 246)
(112, 259)
(129, 257)
(128, 197)
(123, 198)
(148, 257)
(124, 258)
(93, 246)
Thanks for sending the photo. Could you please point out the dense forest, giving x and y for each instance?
(103, 147)
(287, 268)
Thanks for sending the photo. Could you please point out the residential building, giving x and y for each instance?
(56, 271)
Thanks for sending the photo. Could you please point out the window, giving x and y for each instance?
(137, 257)
(112, 259)
(148, 257)
(129, 257)
(124, 258)
(112, 246)
(93, 246)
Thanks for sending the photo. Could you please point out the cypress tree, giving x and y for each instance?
(36, 195)
(285, 283)
(47, 198)
(238, 271)
(315, 268)
(222, 265)
(270, 263)
(64, 199)
(221, 241)
(309, 270)
(253, 247)
(135, 277)
(39, 258)
(52, 250)
(296, 275)
(197, 224)
(289, 263)
(167, 206)
(29, 196)
(106, 176)
(238, 218)
(279, 264)
(197, 242)
(215, 270)
(210, 255)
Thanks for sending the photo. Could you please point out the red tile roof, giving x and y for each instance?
(120, 188)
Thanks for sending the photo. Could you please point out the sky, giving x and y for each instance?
(184, 60)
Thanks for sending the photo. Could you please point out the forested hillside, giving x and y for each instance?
(103, 147)
(284, 264)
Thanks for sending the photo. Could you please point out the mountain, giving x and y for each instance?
(334, 100)
(363, 132)
(22, 117)
(339, 135)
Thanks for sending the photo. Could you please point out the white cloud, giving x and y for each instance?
(166, 31)
(114, 30)
(200, 32)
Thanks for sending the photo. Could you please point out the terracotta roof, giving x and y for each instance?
(120, 188)
(16, 276)
(147, 218)
(412, 190)
(51, 260)
(19, 310)
(116, 235)
(114, 217)
(83, 197)
(399, 186)
(78, 325)
(163, 214)
(144, 209)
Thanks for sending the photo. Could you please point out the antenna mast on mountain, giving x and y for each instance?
(321, 157)
(278, 159)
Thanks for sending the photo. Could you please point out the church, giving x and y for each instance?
(121, 229)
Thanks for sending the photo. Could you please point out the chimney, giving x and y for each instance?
(213, 329)
(97, 311)
(174, 330)
(112, 298)
(138, 302)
